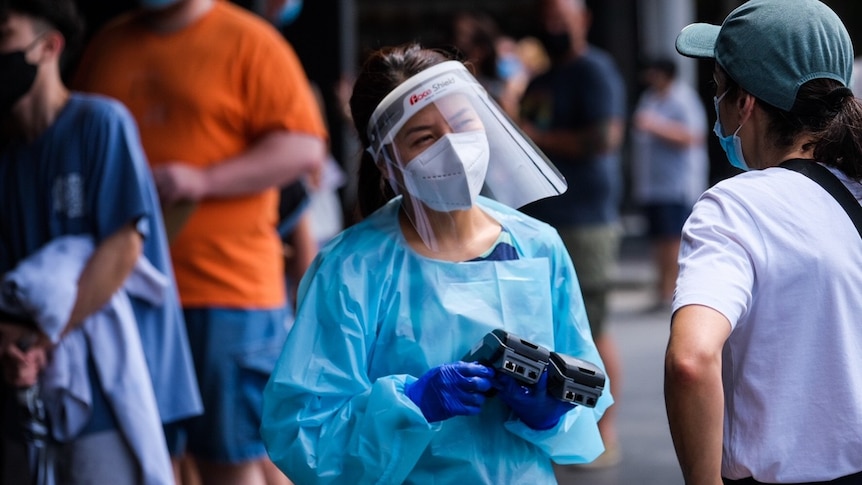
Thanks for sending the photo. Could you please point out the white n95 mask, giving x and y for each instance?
(450, 173)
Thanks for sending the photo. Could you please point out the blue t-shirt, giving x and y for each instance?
(502, 250)
(575, 95)
(87, 175)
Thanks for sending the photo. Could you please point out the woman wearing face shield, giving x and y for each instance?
(370, 387)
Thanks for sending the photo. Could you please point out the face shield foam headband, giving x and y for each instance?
(518, 172)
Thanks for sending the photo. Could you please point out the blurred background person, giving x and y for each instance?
(670, 164)
(575, 112)
(474, 36)
(519, 62)
(227, 117)
(110, 360)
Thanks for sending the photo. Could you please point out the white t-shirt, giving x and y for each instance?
(776, 254)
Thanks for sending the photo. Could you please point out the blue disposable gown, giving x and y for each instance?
(374, 315)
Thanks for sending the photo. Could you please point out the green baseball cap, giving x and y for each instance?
(772, 47)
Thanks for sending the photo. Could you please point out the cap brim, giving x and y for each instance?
(698, 40)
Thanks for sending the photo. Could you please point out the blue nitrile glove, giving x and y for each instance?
(448, 390)
(532, 404)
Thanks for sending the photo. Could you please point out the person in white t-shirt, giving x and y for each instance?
(763, 369)
(670, 165)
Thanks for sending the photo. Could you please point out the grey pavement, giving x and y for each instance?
(647, 451)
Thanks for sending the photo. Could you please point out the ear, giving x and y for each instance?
(745, 103)
(54, 44)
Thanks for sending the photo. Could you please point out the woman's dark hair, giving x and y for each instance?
(60, 14)
(828, 111)
(382, 72)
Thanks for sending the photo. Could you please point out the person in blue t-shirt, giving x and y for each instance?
(575, 113)
(72, 165)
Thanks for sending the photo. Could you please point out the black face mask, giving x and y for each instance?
(16, 78)
(556, 45)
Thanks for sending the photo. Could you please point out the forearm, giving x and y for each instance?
(304, 249)
(393, 433)
(275, 160)
(694, 398)
(695, 414)
(105, 273)
(598, 139)
(675, 133)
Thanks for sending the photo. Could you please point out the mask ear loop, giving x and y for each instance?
(386, 167)
(418, 218)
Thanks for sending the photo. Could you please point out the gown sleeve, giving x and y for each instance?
(324, 421)
(576, 437)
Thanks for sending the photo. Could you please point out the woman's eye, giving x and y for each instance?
(423, 139)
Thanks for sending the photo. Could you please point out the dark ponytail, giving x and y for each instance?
(829, 112)
(839, 143)
(373, 191)
(382, 72)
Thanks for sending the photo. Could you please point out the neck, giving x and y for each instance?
(38, 109)
(176, 17)
(574, 52)
(579, 48)
(802, 149)
(765, 153)
(457, 235)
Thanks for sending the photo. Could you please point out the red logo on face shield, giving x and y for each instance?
(419, 96)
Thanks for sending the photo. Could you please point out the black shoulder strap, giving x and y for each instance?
(831, 184)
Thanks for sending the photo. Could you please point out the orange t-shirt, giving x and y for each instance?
(201, 95)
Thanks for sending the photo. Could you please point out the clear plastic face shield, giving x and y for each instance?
(441, 141)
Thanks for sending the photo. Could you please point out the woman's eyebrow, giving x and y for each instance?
(414, 129)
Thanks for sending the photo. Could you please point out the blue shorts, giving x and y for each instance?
(665, 219)
(234, 352)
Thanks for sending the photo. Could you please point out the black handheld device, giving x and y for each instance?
(574, 380)
(510, 354)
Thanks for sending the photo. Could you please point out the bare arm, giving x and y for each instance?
(693, 391)
(299, 252)
(105, 273)
(668, 130)
(600, 138)
(275, 160)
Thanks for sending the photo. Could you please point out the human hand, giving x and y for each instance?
(532, 404)
(23, 354)
(178, 181)
(456, 389)
(314, 178)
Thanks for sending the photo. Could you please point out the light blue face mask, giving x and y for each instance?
(157, 4)
(731, 144)
(289, 12)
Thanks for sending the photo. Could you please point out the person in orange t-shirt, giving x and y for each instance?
(226, 117)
